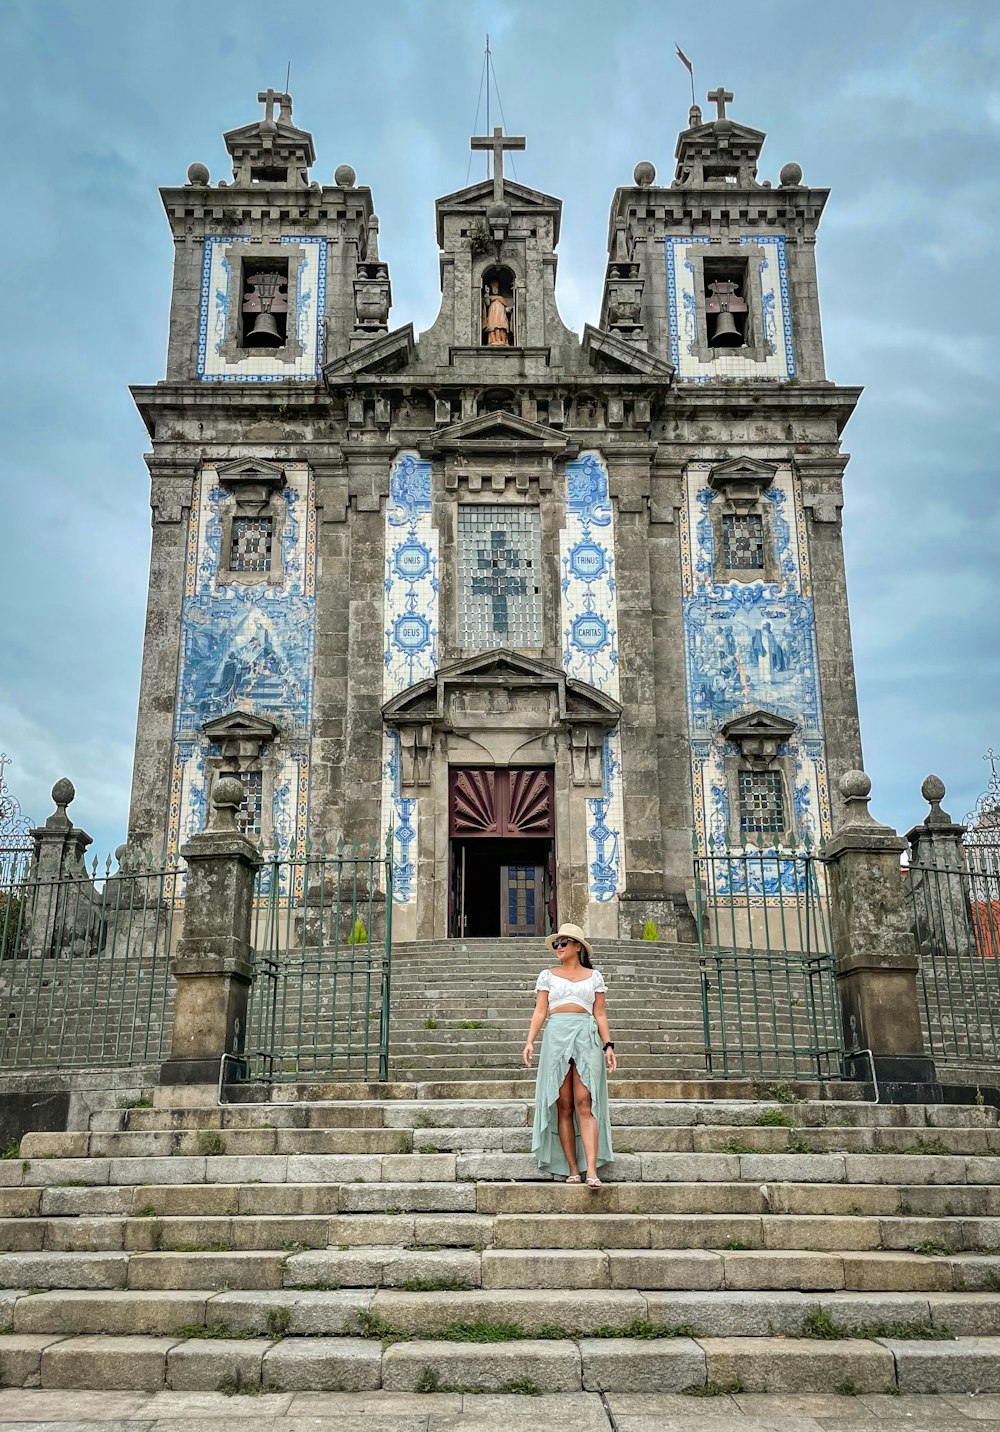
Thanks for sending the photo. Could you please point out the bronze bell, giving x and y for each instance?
(266, 293)
(723, 300)
(264, 333)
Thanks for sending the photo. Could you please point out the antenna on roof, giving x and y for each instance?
(288, 76)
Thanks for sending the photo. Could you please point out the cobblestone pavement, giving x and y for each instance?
(24, 1408)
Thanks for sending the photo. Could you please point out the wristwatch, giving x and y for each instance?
(610, 1045)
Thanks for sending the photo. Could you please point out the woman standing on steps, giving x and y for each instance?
(577, 1057)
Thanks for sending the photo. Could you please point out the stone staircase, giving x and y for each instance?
(409, 1244)
(461, 1009)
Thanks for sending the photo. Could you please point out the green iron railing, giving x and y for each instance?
(319, 1007)
(956, 906)
(84, 964)
(770, 1006)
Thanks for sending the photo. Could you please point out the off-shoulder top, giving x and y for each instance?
(562, 991)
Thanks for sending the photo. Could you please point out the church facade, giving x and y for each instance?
(548, 606)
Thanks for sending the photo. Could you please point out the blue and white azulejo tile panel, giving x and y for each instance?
(219, 308)
(589, 623)
(246, 648)
(772, 276)
(410, 627)
(751, 646)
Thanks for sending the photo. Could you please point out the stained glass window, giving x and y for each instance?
(743, 540)
(499, 574)
(248, 817)
(251, 544)
(762, 803)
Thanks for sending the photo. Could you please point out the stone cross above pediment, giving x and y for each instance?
(720, 98)
(498, 143)
(268, 97)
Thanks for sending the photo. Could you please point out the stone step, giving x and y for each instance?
(540, 1197)
(444, 1269)
(911, 1120)
(761, 1168)
(325, 1312)
(291, 1233)
(629, 1138)
(557, 1365)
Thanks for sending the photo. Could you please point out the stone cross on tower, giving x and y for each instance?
(720, 97)
(267, 98)
(498, 143)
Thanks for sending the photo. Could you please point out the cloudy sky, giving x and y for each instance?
(892, 103)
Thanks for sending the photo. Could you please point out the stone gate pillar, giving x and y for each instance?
(213, 966)
(938, 877)
(875, 951)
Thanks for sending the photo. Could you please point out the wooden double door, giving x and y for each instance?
(502, 841)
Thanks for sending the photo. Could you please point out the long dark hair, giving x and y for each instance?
(585, 957)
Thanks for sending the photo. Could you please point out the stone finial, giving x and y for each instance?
(371, 253)
(855, 787)
(644, 174)
(63, 792)
(790, 176)
(694, 116)
(227, 797)
(933, 792)
(198, 174)
(344, 176)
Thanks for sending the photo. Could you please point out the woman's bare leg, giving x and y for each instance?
(586, 1120)
(567, 1128)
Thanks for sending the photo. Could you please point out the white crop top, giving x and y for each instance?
(562, 991)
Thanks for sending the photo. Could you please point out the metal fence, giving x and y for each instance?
(956, 905)
(84, 964)
(769, 992)
(323, 934)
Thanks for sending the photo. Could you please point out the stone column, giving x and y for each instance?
(63, 912)
(213, 967)
(938, 877)
(875, 950)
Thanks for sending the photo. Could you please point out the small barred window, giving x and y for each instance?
(743, 540)
(248, 817)
(250, 550)
(762, 803)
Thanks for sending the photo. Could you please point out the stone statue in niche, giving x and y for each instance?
(498, 315)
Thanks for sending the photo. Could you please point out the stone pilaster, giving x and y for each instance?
(875, 951)
(170, 498)
(213, 966)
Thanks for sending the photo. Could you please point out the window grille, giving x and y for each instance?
(762, 803)
(248, 817)
(500, 589)
(250, 550)
(743, 540)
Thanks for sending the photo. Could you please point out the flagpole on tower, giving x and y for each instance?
(487, 99)
(690, 69)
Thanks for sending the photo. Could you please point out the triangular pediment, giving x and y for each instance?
(755, 724)
(727, 132)
(497, 432)
(426, 700)
(476, 199)
(386, 354)
(617, 355)
(742, 477)
(251, 472)
(237, 725)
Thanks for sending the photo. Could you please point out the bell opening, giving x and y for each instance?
(727, 313)
(264, 317)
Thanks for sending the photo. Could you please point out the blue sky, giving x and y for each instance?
(894, 104)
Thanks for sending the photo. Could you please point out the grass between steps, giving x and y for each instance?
(820, 1325)
(373, 1326)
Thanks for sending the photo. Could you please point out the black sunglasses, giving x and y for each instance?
(561, 944)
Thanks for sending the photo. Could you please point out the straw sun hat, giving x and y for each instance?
(572, 932)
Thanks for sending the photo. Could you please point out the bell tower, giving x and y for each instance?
(273, 273)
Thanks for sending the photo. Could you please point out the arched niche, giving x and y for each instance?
(499, 326)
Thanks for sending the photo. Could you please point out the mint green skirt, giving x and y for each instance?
(566, 1038)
